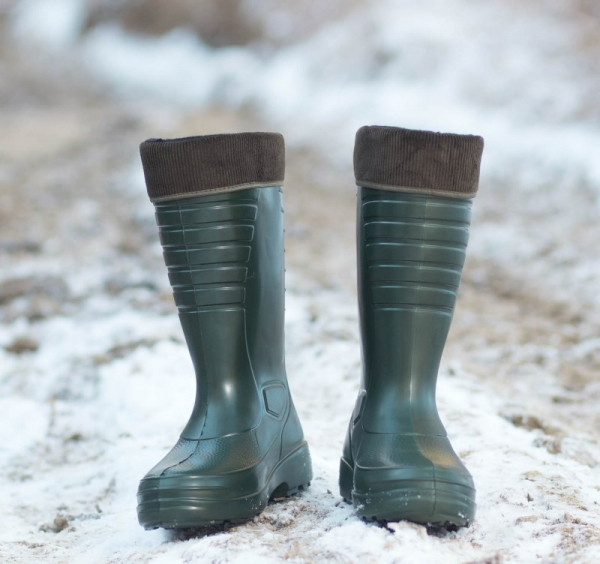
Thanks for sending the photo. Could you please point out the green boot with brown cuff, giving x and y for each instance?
(218, 201)
(415, 190)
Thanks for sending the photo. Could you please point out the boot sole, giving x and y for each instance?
(435, 504)
(180, 506)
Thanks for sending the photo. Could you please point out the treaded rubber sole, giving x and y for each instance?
(436, 504)
(186, 507)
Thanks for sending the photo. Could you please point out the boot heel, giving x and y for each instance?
(293, 474)
(346, 480)
(283, 491)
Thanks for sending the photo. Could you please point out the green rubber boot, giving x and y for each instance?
(219, 210)
(415, 190)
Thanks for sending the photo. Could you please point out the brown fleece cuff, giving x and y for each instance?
(207, 164)
(424, 162)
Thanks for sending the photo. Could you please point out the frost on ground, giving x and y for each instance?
(96, 381)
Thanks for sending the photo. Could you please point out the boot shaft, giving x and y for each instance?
(224, 254)
(218, 203)
(415, 190)
(411, 250)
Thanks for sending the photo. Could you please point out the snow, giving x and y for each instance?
(109, 388)
(81, 457)
(55, 23)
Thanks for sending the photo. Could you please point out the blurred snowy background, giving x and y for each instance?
(89, 330)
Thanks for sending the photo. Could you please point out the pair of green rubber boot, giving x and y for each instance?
(218, 202)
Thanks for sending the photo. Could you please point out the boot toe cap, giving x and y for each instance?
(412, 477)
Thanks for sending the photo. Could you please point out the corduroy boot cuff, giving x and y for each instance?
(423, 162)
(208, 164)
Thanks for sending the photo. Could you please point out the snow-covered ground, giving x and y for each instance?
(89, 330)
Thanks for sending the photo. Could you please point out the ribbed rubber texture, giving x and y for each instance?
(180, 168)
(206, 245)
(406, 160)
(398, 462)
